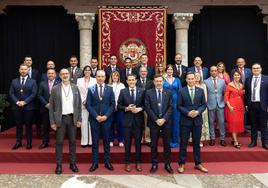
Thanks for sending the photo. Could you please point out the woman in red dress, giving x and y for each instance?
(234, 97)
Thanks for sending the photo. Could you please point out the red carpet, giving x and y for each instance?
(218, 159)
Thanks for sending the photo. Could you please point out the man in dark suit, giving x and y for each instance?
(94, 66)
(50, 65)
(126, 71)
(144, 63)
(179, 70)
(158, 105)
(32, 73)
(44, 92)
(131, 102)
(245, 72)
(143, 81)
(111, 68)
(191, 103)
(256, 95)
(74, 70)
(146, 84)
(65, 116)
(100, 104)
(22, 92)
(203, 71)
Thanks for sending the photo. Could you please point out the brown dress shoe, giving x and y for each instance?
(201, 168)
(138, 167)
(181, 168)
(127, 168)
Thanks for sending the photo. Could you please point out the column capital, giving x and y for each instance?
(85, 20)
(265, 19)
(182, 20)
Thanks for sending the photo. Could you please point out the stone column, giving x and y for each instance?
(181, 22)
(85, 23)
(265, 21)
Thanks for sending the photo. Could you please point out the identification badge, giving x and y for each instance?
(21, 90)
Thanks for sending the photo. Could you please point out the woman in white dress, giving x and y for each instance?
(83, 84)
(114, 82)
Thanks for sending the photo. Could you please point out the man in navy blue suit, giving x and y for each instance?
(44, 92)
(112, 68)
(144, 63)
(50, 65)
(203, 71)
(256, 95)
(100, 104)
(131, 102)
(245, 72)
(191, 103)
(22, 93)
(158, 105)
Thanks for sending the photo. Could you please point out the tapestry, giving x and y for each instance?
(131, 32)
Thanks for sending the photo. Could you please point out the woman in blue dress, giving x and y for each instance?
(173, 84)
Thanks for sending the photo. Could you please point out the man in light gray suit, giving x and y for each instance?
(65, 116)
(215, 104)
(74, 70)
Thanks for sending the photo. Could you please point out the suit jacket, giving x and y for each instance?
(93, 74)
(124, 100)
(96, 107)
(148, 85)
(55, 105)
(108, 72)
(43, 94)
(183, 73)
(150, 69)
(78, 74)
(185, 105)
(28, 95)
(215, 98)
(123, 75)
(204, 71)
(151, 106)
(44, 77)
(35, 75)
(247, 74)
(263, 92)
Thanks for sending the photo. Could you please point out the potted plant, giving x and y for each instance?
(3, 104)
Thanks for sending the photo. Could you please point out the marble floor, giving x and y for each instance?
(135, 181)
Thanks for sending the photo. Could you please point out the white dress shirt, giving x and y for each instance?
(67, 99)
(116, 89)
(83, 86)
(103, 86)
(25, 78)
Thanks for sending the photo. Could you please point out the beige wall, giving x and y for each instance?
(174, 6)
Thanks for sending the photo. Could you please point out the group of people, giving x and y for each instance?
(141, 103)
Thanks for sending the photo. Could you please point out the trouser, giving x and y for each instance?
(220, 120)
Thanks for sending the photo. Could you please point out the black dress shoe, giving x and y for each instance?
(223, 143)
(17, 145)
(83, 146)
(168, 168)
(252, 144)
(73, 167)
(43, 145)
(29, 146)
(212, 142)
(94, 167)
(109, 166)
(265, 146)
(154, 168)
(58, 169)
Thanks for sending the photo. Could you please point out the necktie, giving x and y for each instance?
(22, 81)
(179, 70)
(242, 74)
(254, 88)
(101, 92)
(50, 85)
(132, 96)
(127, 72)
(159, 102)
(215, 84)
(192, 95)
(199, 69)
(72, 72)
